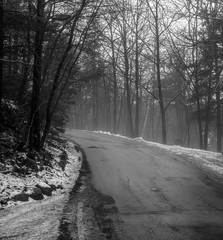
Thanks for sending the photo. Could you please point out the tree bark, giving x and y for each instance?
(137, 83)
(206, 127)
(1, 54)
(219, 128)
(34, 135)
(115, 88)
(27, 60)
(160, 91)
(199, 121)
(218, 101)
(145, 123)
(130, 131)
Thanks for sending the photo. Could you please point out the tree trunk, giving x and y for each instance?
(199, 123)
(95, 104)
(1, 54)
(218, 120)
(27, 60)
(145, 119)
(130, 131)
(197, 92)
(23, 85)
(34, 135)
(121, 111)
(115, 88)
(206, 127)
(137, 85)
(160, 91)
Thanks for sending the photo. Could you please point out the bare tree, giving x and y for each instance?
(67, 63)
(34, 122)
(1, 54)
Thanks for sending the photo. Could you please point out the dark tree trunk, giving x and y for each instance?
(95, 104)
(130, 130)
(1, 55)
(115, 88)
(206, 127)
(160, 91)
(218, 72)
(34, 134)
(23, 85)
(27, 59)
(197, 91)
(137, 86)
(199, 119)
(219, 128)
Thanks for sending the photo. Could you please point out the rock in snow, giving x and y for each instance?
(36, 194)
(46, 189)
(23, 197)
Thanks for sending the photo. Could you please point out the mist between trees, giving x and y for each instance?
(138, 68)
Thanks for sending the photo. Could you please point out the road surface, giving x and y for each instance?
(157, 195)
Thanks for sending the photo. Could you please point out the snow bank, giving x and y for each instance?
(207, 159)
(11, 184)
(204, 159)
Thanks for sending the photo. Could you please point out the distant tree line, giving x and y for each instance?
(156, 72)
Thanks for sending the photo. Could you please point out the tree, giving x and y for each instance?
(70, 55)
(204, 69)
(34, 121)
(158, 29)
(1, 54)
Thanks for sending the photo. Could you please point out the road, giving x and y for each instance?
(157, 195)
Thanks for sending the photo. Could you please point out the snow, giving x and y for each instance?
(112, 134)
(13, 184)
(205, 159)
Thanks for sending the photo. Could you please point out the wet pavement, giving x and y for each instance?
(140, 193)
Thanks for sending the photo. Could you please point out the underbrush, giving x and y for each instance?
(23, 172)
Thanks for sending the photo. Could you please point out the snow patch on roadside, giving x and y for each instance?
(205, 159)
(112, 134)
(11, 184)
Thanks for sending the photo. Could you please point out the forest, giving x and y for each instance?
(139, 68)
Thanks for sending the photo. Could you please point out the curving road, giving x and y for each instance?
(158, 196)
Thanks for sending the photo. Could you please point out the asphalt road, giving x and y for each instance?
(158, 195)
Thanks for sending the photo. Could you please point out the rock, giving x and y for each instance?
(63, 160)
(83, 171)
(77, 148)
(59, 186)
(46, 189)
(36, 194)
(31, 155)
(23, 197)
(4, 200)
(53, 187)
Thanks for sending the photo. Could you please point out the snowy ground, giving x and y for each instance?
(41, 219)
(205, 159)
(12, 184)
(38, 219)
